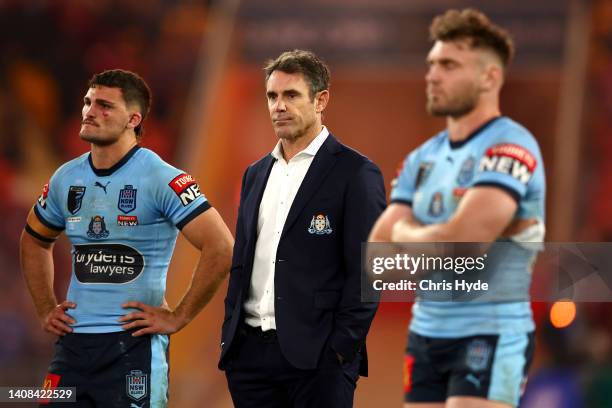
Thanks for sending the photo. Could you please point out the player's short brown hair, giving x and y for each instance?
(315, 71)
(476, 27)
(133, 88)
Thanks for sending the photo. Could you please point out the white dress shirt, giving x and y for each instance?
(282, 186)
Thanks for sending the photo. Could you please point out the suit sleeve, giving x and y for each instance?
(233, 287)
(365, 201)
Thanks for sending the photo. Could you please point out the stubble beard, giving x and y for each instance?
(98, 140)
(455, 108)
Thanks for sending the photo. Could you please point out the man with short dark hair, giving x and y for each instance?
(480, 180)
(295, 327)
(121, 206)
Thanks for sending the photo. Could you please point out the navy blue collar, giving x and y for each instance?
(116, 166)
(479, 130)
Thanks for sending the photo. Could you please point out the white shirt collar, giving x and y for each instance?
(310, 150)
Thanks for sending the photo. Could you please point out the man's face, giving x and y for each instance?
(453, 78)
(291, 109)
(105, 115)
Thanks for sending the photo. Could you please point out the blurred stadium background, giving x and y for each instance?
(203, 61)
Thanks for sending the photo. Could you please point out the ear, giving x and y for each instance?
(135, 120)
(321, 101)
(492, 77)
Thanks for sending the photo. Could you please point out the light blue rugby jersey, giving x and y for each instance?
(123, 223)
(435, 176)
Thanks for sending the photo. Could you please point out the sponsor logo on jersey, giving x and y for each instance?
(97, 228)
(75, 198)
(72, 222)
(186, 188)
(127, 220)
(423, 173)
(102, 186)
(42, 200)
(127, 199)
(510, 159)
(478, 355)
(466, 172)
(136, 385)
(436, 206)
(320, 225)
(106, 263)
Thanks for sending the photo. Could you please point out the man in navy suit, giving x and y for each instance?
(295, 326)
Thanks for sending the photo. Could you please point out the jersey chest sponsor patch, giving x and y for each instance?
(75, 198)
(186, 188)
(511, 159)
(127, 199)
(107, 263)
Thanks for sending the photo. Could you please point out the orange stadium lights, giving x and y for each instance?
(562, 313)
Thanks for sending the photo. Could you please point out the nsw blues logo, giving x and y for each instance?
(136, 385)
(478, 355)
(466, 172)
(319, 225)
(127, 199)
(97, 228)
(75, 198)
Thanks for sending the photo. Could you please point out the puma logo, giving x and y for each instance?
(103, 187)
(132, 405)
(472, 378)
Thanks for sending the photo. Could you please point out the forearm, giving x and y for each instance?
(404, 231)
(213, 266)
(37, 268)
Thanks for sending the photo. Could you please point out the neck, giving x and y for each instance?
(291, 147)
(105, 157)
(462, 127)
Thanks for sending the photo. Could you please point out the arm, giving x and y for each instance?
(36, 255)
(381, 232)
(477, 219)
(365, 201)
(208, 233)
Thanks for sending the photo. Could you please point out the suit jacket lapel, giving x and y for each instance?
(322, 163)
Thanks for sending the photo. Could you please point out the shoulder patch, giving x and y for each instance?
(511, 159)
(185, 187)
(42, 200)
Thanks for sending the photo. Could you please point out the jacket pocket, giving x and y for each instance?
(327, 299)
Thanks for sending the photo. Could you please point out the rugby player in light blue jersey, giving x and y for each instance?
(479, 180)
(121, 207)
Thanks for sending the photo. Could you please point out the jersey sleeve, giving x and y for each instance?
(509, 162)
(404, 185)
(180, 197)
(49, 204)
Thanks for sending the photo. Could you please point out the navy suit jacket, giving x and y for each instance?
(317, 279)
